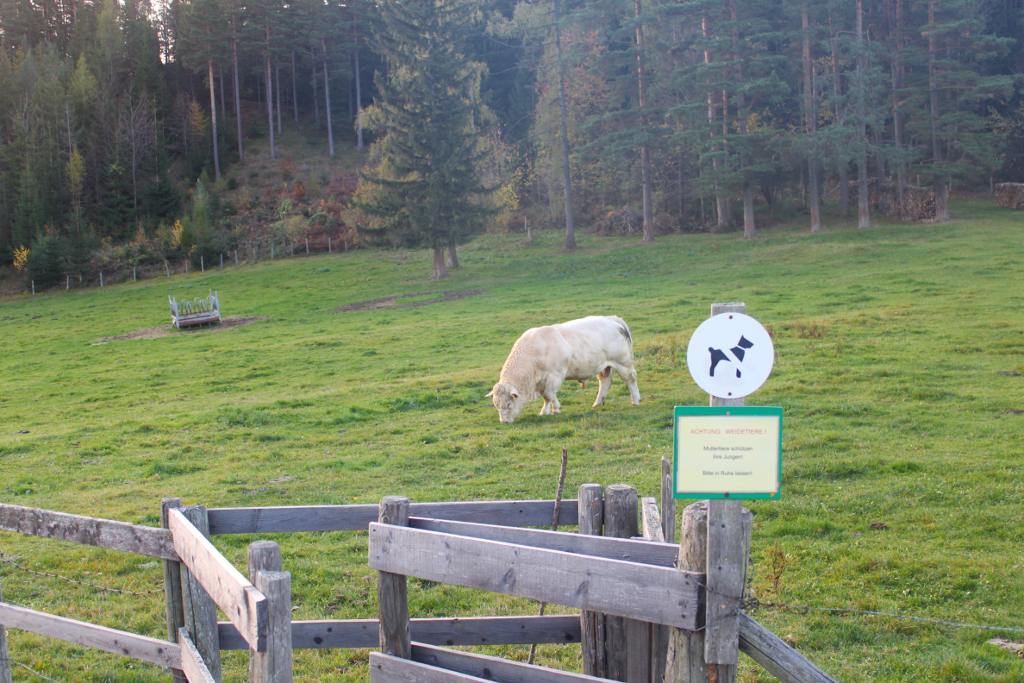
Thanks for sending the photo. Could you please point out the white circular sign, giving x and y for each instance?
(730, 355)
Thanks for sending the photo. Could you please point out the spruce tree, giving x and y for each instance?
(423, 191)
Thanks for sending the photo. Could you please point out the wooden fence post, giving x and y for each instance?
(627, 641)
(274, 665)
(199, 608)
(668, 502)
(685, 663)
(5, 657)
(307, 246)
(728, 552)
(715, 538)
(392, 589)
(172, 589)
(591, 523)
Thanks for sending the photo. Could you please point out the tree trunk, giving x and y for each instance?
(359, 101)
(453, 258)
(749, 228)
(570, 235)
(863, 219)
(238, 100)
(811, 122)
(897, 87)
(440, 272)
(941, 205)
(316, 97)
(295, 96)
(213, 118)
(725, 152)
(645, 149)
(327, 101)
(844, 177)
(720, 201)
(270, 98)
(277, 85)
(223, 107)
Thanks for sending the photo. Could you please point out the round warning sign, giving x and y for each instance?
(730, 355)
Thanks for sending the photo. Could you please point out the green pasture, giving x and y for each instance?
(900, 351)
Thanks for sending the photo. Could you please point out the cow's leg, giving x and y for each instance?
(628, 376)
(550, 394)
(546, 408)
(605, 377)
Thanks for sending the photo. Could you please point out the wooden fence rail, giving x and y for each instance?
(626, 550)
(656, 594)
(439, 665)
(363, 633)
(245, 606)
(152, 650)
(269, 520)
(102, 533)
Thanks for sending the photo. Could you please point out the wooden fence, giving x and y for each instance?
(642, 600)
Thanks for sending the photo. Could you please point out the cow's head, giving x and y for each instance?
(507, 400)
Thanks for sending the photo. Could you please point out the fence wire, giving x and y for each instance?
(7, 560)
(750, 602)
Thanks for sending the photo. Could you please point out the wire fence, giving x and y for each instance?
(11, 561)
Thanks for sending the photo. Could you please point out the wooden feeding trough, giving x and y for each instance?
(198, 311)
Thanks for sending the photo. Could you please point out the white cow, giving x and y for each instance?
(579, 349)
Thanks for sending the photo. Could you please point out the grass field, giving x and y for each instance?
(890, 346)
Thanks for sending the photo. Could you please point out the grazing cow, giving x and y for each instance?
(579, 349)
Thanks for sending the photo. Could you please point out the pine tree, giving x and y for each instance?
(424, 188)
(203, 39)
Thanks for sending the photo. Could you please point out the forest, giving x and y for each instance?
(120, 121)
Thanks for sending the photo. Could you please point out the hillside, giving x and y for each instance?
(899, 358)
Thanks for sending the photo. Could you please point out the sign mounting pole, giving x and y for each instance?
(728, 547)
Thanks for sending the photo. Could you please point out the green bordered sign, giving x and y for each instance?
(728, 452)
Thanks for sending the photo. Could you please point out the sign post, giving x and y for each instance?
(723, 453)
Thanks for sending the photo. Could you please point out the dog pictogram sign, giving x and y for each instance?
(730, 355)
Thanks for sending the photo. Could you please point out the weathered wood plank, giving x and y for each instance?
(493, 668)
(198, 608)
(152, 650)
(651, 521)
(392, 588)
(778, 658)
(653, 530)
(364, 633)
(657, 594)
(275, 664)
(192, 662)
(591, 523)
(668, 503)
(685, 662)
(5, 658)
(627, 550)
(102, 533)
(388, 669)
(174, 606)
(245, 606)
(265, 520)
(728, 544)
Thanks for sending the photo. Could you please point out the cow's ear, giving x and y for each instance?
(514, 394)
(489, 394)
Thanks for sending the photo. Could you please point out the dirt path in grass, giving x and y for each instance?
(168, 330)
(391, 301)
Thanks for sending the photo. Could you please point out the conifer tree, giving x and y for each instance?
(424, 188)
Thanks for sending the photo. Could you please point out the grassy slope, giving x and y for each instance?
(888, 343)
